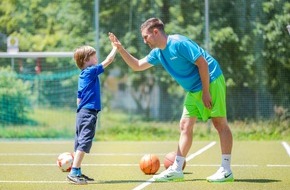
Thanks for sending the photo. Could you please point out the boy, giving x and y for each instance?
(89, 104)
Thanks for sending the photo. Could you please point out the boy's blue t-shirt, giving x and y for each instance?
(89, 90)
(179, 57)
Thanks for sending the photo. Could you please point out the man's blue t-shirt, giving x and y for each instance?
(178, 59)
(89, 90)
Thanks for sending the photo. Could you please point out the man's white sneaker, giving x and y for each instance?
(221, 176)
(169, 175)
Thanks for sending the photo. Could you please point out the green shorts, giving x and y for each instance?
(194, 107)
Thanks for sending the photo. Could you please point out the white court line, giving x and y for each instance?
(49, 142)
(200, 151)
(287, 147)
(91, 154)
(148, 182)
(53, 182)
(29, 154)
(130, 165)
(277, 165)
(106, 165)
(217, 165)
(25, 164)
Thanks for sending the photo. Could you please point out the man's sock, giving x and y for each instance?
(178, 163)
(226, 162)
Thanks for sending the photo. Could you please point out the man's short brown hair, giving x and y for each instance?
(152, 23)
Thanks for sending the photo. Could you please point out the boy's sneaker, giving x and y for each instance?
(221, 176)
(169, 175)
(77, 180)
(87, 178)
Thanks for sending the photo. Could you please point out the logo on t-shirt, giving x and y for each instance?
(172, 58)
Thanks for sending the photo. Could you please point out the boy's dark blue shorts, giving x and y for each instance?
(85, 129)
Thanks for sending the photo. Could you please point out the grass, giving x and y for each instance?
(117, 126)
(49, 124)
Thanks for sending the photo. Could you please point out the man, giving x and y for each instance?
(201, 77)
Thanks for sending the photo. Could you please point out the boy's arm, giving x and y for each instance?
(110, 57)
(134, 63)
(78, 101)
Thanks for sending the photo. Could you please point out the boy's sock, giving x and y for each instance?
(79, 172)
(74, 172)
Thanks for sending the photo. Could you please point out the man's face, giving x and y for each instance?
(149, 38)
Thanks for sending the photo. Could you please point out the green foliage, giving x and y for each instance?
(248, 38)
(44, 25)
(15, 99)
(276, 51)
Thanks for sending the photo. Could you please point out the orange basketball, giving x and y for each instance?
(169, 160)
(149, 164)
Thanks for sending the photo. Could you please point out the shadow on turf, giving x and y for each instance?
(118, 181)
(133, 181)
(143, 181)
(258, 180)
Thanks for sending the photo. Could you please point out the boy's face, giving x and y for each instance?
(92, 60)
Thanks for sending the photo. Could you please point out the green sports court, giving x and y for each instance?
(115, 165)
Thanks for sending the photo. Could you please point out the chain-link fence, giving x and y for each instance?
(248, 38)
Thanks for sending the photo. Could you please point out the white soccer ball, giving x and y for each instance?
(65, 161)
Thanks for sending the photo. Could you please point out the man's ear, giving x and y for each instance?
(155, 31)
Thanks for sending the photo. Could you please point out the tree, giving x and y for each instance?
(244, 35)
(15, 98)
(276, 52)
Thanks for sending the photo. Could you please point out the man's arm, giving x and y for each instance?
(204, 76)
(134, 63)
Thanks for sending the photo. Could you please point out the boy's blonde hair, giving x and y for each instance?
(83, 54)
